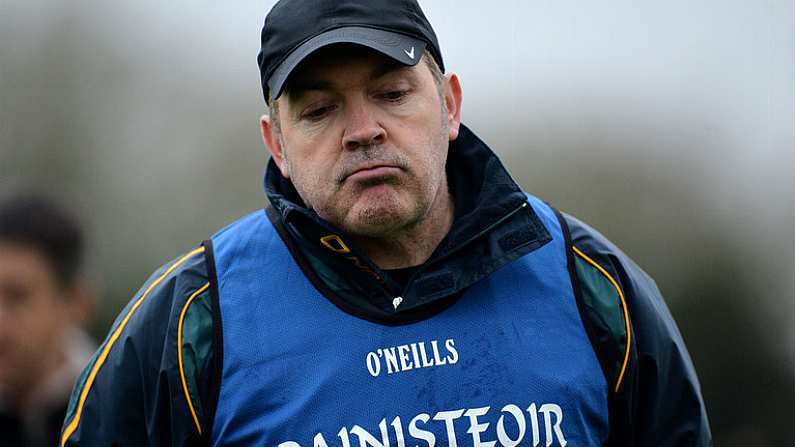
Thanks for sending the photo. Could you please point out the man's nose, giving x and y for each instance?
(363, 129)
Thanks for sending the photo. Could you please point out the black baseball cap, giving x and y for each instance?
(294, 29)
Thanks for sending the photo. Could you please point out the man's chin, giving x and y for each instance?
(378, 211)
(377, 220)
(375, 224)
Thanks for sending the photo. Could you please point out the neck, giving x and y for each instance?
(413, 245)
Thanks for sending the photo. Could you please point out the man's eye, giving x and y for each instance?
(317, 113)
(395, 95)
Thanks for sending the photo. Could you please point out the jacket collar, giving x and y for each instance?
(493, 225)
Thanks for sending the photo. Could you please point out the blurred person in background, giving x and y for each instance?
(44, 301)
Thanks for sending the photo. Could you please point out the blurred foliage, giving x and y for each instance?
(156, 158)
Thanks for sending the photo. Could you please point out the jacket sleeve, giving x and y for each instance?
(148, 383)
(657, 400)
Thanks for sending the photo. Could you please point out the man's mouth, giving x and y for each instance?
(372, 172)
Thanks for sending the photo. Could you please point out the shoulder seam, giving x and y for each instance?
(73, 424)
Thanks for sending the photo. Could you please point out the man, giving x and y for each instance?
(399, 289)
(43, 303)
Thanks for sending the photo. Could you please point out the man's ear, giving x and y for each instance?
(453, 98)
(273, 142)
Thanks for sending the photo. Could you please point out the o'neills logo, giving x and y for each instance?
(411, 356)
(514, 427)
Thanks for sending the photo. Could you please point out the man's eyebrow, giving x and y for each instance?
(297, 89)
(389, 67)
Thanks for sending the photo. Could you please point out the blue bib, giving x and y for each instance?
(508, 364)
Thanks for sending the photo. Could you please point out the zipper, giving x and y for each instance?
(510, 214)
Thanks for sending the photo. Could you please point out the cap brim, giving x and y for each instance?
(400, 47)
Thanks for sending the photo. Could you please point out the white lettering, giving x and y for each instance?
(476, 429)
(549, 409)
(391, 360)
(343, 434)
(416, 355)
(410, 356)
(373, 365)
(436, 357)
(366, 439)
(534, 424)
(419, 433)
(405, 362)
(450, 345)
(449, 417)
(398, 426)
(418, 430)
(319, 441)
(502, 435)
(425, 361)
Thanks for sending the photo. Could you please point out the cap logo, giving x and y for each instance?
(410, 53)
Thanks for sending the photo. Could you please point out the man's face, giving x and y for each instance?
(33, 316)
(364, 139)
